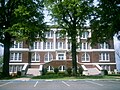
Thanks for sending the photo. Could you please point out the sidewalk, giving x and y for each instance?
(23, 79)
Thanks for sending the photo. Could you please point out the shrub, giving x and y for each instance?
(80, 70)
(69, 71)
(105, 72)
(61, 73)
(18, 73)
(44, 71)
(56, 70)
(49, 73)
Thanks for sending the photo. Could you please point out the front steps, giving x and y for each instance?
(92, 70)
(33, 72)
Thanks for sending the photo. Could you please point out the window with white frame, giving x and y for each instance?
(17, 44)
(36, 45)
(69, 45)
(16, 56)
(49, 34)
(35, 57)
(50, 68)
(15, 68)
(85, 35)
(48, 45)
(104, 57)
(61, 56)
(62, 68)
(48, 57)
(85, 57)
(104, 46)
(84, 46)
(60, 45)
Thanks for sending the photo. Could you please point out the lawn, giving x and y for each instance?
(78, 77)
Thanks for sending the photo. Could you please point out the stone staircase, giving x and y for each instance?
(93, 71)
(33, 72)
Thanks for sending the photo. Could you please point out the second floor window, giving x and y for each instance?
(61, 56)
(104, 57)
(85, 57)
(48, 57)
(35, 57)
(16, 56)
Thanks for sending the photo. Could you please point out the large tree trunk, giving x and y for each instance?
(74, 61)
(6, 55)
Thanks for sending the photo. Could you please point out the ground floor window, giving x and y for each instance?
(15, 68)
(62, 68)
(50, 68)
(106, 67)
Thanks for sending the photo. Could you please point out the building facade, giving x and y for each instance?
(56, 52)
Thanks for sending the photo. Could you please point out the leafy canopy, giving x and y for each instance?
(105, 20)
(69, 14)
(22, 19)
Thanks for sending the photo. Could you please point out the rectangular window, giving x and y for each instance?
(60, 45)
(104, 46)
(16, 57)
(84, 46)
(36, 45)
(48, 45)
(61, 56)
(104, 57)
(49, 34)
(17, 44)
(85, 35)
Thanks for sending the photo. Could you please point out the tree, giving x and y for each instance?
(20, 20)
(71, 16)
(105, 20)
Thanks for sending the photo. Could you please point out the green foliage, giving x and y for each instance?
(44, 71)
(19, 73)
(71, 15)
(50, 73)
(56, 70)
(105, 72)
(80, 70)
(105, 20)
(1, 60)
(51, 76)
(69, 71)
(21, 20)
(62, 73)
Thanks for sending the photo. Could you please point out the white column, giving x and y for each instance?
(66, 47)
(42, 45)
(54, 40)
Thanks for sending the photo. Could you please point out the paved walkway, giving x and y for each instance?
(23, 79)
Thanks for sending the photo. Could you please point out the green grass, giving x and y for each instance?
(53, 76)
